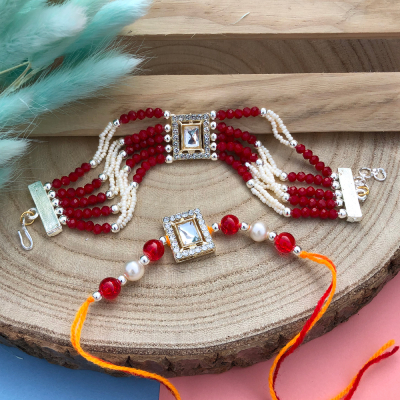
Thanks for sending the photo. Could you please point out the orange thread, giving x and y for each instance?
(210, 229)
(168, 241)
(76, 330)
(318, 313)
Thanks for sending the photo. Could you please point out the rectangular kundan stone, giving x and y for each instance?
(45, 209)
(350, 197)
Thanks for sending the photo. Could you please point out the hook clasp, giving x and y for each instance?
(31, 215)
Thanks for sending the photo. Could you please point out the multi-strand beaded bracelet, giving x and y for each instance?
(189, 231)
(191, 137)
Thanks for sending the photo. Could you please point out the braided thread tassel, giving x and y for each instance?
(319, 311)
(76, 330)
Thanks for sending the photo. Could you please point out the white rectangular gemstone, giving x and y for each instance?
(45, 209)
(350, 197)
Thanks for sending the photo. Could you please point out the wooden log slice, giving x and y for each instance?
(235, 308)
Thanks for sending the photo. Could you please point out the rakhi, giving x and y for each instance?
(193, 137)
(189, 231)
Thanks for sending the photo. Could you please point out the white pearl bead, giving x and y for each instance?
(258, 231)
(134, 270)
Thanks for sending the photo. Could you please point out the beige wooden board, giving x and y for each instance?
(274, 19)
(306, 102)
(235, 308)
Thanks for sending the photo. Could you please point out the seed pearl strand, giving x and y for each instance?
(131, 207)
(275, 121)
(267, 159)
(109, 155)
(117, 172)
(111, 168)
(104, 141)
(266, 198)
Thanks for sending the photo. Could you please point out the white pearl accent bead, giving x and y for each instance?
(93, 163)
(109, 194)
(167, 138)
(272, 236)
(259, 162)
(213, 114)
(115, 228)
(126, 168)
(103, 177)
(63, 219)
(293, 143)
(123, 154)
(116, 123)
(163, 239)
(213, 137)
(244, 226)
(215, 227)
(47, 186)
(59, 211)
(342, 213)
(51, 194)
(115, 209)
(144, 260)
(263, 112)
(335, 176)
(122, 280)
(297, 250)
(167, 114)
(213, 146)
(214, 157)
(134, 185)
(335, 185)
(168, 148)
(285, 188)
(338, 193)
(287, 212)
(286, 197)
(121, 141)
(250, 183)
(167, 128)
(213, 125)
(134, 270)
(283, 176)
(55, 202)
(258, 231)
(169, 159)
(97, 296)
(339, 202)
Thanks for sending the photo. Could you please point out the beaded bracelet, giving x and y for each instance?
(194, 136)
(189, 231)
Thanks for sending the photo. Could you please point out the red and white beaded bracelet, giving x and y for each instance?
(192, 137)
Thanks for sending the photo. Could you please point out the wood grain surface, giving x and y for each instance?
(272, 19)
(307, 102)
(235, 308)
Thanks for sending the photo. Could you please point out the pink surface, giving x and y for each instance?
(321, 368)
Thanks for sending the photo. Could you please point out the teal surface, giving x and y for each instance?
(26, 377)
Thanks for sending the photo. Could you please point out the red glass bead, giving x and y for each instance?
(89, 225)
(100, 198)
(296, 213)
(149, 112)
(303, 202)
(74, 202)
(80, 191)
(143, 134)
(236, 164)
(238, 148)
(246, 152)
(230, 114)
(221, 127)
(319, 166)
(292, 176)
(83, 202)
(124, 119)
(319, 194)
(302, 191)
(69, 212)
(321, 204)
(96, 183)
(159, 138)
(87, 213)
(141, 114)
(132, 115)
(61, 193)
(92, 199)
(238, 113)
(237, 133)
(285, 242)
(106, 228)
(221, 115)
(230, 146)
(159, 128)
(97, 229)
(294, 200)
(73, 176)
(229, 131)
(327, 171)
(318, 179)
(222, 156)
(151, 131)
(141, 172)
(221, 146)
(81, 225)
(245, 136)
(152, 160)
(78, 214)
(330, 204)
(129, 150)
(324, 214)
(310, 191)
(328, 194)
(327, 182)
(229, 160)
(246, 112)
(151, 142)
(333, 214)
(158, 113)
(252, 139)
(292, 190)
(146, 165)
(56, 183)
(109, 288)
(309, 178)
(301, 176)
(307, 154)
(80, 172)
(242, 170)
(247, 176)
(255, 111)
(64, 203)
(105, 210)
(254, 157)
(314, 212)
(65, 181)
(96, 212)
(230, 224)
(300, 148)
(160, 159)
(312, 203)
(71, 222)
(88, 188)
(137, 178)
(153, 249)
(305, 212)
(86, 167)
(130, 163)
(135, 138)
